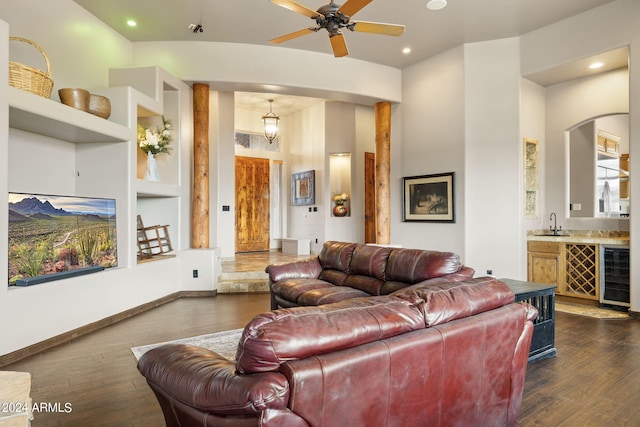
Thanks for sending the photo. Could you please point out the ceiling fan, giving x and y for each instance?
(333, 17)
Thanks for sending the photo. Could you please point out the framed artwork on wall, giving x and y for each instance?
(303, 188)
(428, 198)
(531, 178)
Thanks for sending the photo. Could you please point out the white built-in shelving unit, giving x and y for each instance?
(50, 148)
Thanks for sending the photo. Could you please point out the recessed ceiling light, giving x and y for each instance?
(406, 50)
(131, 23)
(436, 4)
(596, 65)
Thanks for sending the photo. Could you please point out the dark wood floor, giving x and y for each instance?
(594, 380)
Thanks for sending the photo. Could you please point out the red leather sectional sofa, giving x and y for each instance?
(435, 353)
(345, 270)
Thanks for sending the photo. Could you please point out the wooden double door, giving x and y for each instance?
(252, 204)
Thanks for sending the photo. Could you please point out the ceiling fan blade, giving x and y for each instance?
(378, 28)
(292, 36)
(339, 45)
(296, 7)
(352, 6)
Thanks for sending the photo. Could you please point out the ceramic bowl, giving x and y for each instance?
(99, 106)
(75, 97)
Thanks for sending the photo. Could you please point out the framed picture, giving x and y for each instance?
(303, 188)
(531, 178)
(428, 198)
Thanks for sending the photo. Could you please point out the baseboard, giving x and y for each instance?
(65, 337)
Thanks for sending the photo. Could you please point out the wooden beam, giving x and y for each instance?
(383, 172)
(200, 203)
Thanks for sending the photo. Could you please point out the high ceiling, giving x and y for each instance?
(257, 21)
(427, 32)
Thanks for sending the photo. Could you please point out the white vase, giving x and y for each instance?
(151, 173)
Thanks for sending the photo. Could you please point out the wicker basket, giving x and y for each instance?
(29, 78)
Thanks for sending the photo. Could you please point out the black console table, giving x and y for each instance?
(542, 297)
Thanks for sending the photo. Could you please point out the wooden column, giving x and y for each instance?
(200, 202)
(383, 172)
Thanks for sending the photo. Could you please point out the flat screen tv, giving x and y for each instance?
(53, 237)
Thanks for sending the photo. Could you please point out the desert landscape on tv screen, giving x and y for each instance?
(52, 234)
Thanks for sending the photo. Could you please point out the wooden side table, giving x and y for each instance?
(542, 297)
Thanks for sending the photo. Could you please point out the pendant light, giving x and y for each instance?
(270, 124)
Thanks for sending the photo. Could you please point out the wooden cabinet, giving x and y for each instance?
(574, 268)
(544, 262)
(582, 271)
(608, 143)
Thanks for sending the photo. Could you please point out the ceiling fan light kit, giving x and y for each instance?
(333, 18)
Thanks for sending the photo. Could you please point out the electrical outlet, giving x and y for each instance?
(195, 274)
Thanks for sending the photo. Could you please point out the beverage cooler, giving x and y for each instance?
(614, 275)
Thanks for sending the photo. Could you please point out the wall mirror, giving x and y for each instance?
(599, 168)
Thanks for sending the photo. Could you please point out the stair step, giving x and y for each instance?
(243, 285)
(243, 275)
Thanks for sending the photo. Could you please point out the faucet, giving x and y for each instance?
(555, 228)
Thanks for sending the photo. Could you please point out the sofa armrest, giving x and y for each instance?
(309, 268)
(202, 379)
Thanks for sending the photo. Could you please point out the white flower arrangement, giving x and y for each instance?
(340, 199)
(155, 140)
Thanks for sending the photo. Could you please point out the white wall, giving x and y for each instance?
(532, 120)
(80, 47)
(232, 66)
(222, 177)
(66, 32)
(340, 137)
(460, 114)
(365, 143)
(493, 147)
(432, 141)
(568, 105)
(575, 38)
(307, 128)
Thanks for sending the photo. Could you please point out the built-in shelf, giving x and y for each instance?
(156, 189)
(43, 116)
(156, 258)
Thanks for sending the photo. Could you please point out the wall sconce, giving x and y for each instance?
(270, 124)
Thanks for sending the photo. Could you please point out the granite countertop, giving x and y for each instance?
(601, 237)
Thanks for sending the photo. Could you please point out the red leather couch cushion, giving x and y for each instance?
(370, 261)
(415, 265)
(287, 334)
(336, 255)
(443, 302)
